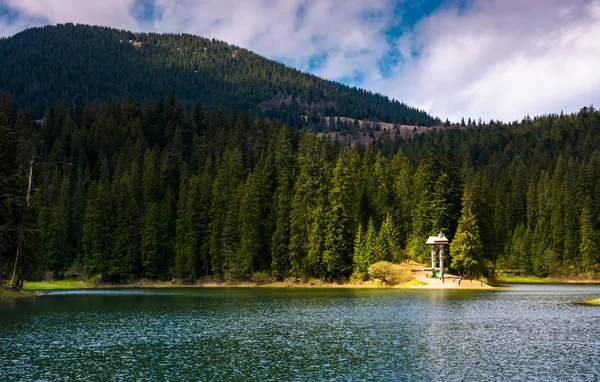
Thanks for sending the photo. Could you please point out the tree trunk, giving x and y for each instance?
(15, 283)
(1, 270)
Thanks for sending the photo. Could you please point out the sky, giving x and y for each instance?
(488, 59)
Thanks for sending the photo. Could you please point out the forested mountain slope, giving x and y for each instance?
(41, 65)
(125, 192)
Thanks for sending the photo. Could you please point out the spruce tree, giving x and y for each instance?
(152, 237)
(359, 258)
(590, 254)
(284, 169)
(249, 224)
(338, 230)
(466, 248)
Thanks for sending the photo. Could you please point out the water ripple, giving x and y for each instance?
(534, 334)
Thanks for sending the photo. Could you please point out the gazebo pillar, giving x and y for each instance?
(435, 242)
(441, 259)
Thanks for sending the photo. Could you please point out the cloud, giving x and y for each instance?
(346, 33)
(26, 13)
(501, 59)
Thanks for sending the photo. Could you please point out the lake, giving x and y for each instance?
(527, 332)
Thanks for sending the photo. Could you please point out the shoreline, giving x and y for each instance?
(10, 294)
(543, 280)
(419, 281)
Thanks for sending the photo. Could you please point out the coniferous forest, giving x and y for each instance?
(122, 190)
(42, 65)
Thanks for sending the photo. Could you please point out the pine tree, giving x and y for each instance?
(224, 190)
(283, 196)
(249, 223)
(371, 243)
(359, 258)
(424, 218)
(590, 254)
(387, 240)
(403, 198)
(152, 240)
(126, 253)
(466, 249)
(97, 230)
(182, 229)
(310, 194)
(337, 234)
(314, 256)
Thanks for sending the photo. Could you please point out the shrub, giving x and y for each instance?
(389, 273)
(261, 277)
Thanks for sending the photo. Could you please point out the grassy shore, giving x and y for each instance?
(59, 284)
(501, 279)
(593, 302)
(9, 293)
(144, 283)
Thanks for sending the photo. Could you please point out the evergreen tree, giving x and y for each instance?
(97, 230)
(466, 249)
(285, 173)
(387, 240)
(359, 256)
(310, 194)
(338, 231)
(249, 223)
(182, 233)
(152, 241)
(589, 240)
(424, 215)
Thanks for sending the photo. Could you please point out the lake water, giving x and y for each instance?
(533, 333)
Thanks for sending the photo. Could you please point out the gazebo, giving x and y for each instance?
(437, 242)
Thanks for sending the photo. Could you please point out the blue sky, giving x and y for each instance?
(489, 59)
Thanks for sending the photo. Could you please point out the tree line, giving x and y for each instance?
(123, 191)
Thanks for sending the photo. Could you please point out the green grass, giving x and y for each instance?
(530, 279)
(525, 280)
(60, 284)
(7, 293)
(413, 282)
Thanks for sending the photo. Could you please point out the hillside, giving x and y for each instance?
(41, 65)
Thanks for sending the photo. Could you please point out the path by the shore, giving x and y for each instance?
(450, 281)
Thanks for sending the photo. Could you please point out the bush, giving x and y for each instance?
(261, 277)
(389, 273)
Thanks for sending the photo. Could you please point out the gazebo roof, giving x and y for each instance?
(436, 240)
(441, 240)
(431, 240)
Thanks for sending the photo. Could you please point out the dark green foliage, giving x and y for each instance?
(467, 248)
(125, 192)
(43, 65)
(338, 231)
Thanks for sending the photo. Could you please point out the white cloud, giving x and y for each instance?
(116, 13)
(502, 59)
(293, 31)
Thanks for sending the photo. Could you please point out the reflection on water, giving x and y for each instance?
(525, 332)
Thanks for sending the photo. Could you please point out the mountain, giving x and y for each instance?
(41, 65)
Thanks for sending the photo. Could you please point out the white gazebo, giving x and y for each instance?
(437, 242)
